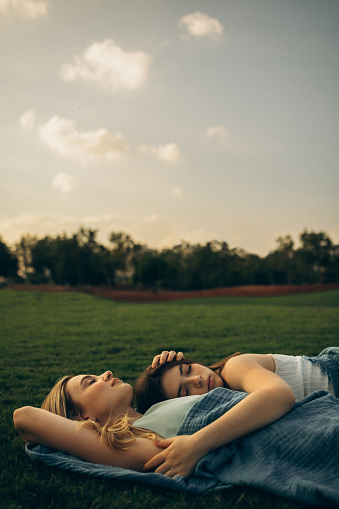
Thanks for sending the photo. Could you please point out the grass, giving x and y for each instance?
(46, 335)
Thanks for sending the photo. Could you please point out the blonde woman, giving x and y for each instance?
(90, 417)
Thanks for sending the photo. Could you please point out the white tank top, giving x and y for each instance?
(302, 375)
(165, 417)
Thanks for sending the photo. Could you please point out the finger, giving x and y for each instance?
(164, 443)
(171, 355)
(154, 462)
(155, 361)
(180, 356)
(163, 469)
(163, 356)
(172, 473)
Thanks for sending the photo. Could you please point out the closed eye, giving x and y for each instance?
(187, 373)
(91, 381)
(85, 378)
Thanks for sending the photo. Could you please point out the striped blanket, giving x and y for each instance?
(296, 457)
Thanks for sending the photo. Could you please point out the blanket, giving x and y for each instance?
(296, 457)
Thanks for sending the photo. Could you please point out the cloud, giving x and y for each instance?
(217, 130)
(168, 153)
(64, 182)
(109, 66)
(28, 8)
(27, 120)
(60, 135)
(199, 24)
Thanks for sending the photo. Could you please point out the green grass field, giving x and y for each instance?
(46, 335)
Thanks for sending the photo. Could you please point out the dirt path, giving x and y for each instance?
(132, 295)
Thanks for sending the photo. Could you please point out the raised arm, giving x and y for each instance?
(42, 427)
(269, 399)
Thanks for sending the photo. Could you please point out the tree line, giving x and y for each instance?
(79, 259)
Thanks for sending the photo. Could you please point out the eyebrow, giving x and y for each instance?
(180, 386)
(84, 378)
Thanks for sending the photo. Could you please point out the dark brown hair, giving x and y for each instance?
(148, 388)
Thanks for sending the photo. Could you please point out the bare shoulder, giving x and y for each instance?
(250, 372)
(264, 360)
(248, 365)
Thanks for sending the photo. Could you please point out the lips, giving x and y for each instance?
(210, 383)
(115, 381)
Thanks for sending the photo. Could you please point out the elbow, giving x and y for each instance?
(17, 417)
(290, 399)
(21, 419)
(283, 398)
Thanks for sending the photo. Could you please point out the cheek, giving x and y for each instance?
(123, 394)
(202, 370)
(166, 389)
(218, 381)
(170, 384)
(97, 392)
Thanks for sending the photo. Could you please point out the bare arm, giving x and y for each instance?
(269, 399)
(40, 426)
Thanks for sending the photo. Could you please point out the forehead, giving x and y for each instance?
(74, 386)
(171, 380)
(173, 373)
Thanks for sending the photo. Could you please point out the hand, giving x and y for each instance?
(166, 357)
(179, 457)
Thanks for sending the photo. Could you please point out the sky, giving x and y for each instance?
(170, 120)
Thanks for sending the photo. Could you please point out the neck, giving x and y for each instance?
(133, 415)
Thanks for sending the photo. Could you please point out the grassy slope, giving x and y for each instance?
(44, 336)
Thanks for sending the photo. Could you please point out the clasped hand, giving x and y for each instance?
(179, 457)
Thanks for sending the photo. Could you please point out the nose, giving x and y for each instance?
(108, 375)
(197, 381)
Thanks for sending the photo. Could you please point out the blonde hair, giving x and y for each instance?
(118, 435)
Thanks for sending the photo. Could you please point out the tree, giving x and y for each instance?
(8, 261)
(150, 269)
(280, 263)
(316, 250)
(23, 252)
(43, 260)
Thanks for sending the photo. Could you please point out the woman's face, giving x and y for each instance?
(188, 380)
(100, 397)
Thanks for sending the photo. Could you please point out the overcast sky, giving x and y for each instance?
(170, 120)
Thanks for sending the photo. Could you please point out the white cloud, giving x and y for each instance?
(177, 192)
(64, 182)
(199, 24)
(168, 153)
(217, 130)
(109, 66)
(27, 120)
(60, 135)
(28, 8)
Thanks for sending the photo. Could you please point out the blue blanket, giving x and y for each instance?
(296, 457)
